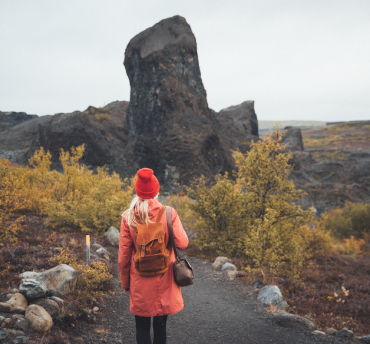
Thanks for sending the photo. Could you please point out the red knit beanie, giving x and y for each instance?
(147, 185)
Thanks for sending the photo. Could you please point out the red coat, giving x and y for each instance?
(157, 295)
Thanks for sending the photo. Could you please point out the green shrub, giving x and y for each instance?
(352, 220)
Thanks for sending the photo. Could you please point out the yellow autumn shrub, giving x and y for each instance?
(11, 200)
(79, 199)
(182, 204)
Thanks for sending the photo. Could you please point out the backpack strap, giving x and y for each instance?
(160, 214)
(170, 233)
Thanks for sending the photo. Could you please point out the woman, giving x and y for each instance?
(155, 296)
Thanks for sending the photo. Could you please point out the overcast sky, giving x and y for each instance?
(298, 60)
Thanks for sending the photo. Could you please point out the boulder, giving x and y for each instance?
(4, 334)
(61, 278)
(331, 331)
(228, 266)
(293, 139)
(21, 324)
(48, 304)
(5, 307)
(365, 339)
(29, 275)
(270, 295)
(59, 302)
(112, 235)
(39, 319)
(220, 261)
(293, 321)
(320, 333)
(345, 333)
(18, 300)
(33, 289)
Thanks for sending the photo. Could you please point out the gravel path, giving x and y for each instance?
(217, 311)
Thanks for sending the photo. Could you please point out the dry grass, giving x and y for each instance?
(347, 136)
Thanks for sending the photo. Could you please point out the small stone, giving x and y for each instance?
(103, 252)
(365, 339)
(18, 300)
(20, 340)
(331, 331)
(14, 291)
(95, 309)
(55, 293)
(48, 304)
(5, 307)
(228, 266)
(96, 246)
(220, 261)
(21, 324)
(4, 334)
(258, 283)
(282, 305)
(2, 319)
(33, 289)
(6, 323)
(232, 274)
(270, 295)
(317, 332)
(18, 310)
(293, 321)
(59, 301)
(38, 318)
(16, 316)
(345, 333)
(16, 332)
(112, 235)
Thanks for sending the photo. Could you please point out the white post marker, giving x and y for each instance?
(88, 249)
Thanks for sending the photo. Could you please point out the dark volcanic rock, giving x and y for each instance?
(293, 139)
(11, 119)
(240, 121)
(171, 128)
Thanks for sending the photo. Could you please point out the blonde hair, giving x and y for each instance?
(141, 207)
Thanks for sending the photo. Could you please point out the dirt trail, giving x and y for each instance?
(217, 311)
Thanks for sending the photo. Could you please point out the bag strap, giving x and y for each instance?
(160, 214)
(170, 232)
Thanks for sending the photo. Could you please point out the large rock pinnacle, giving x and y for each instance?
(162, 65)
(171, 128)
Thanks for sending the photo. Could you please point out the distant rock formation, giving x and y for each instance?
(171, 128)
(292, 138)
(11, 119)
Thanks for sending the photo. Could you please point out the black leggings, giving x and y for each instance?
(143, 329)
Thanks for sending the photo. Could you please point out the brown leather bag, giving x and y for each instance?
(151, 256)
(182, 270)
